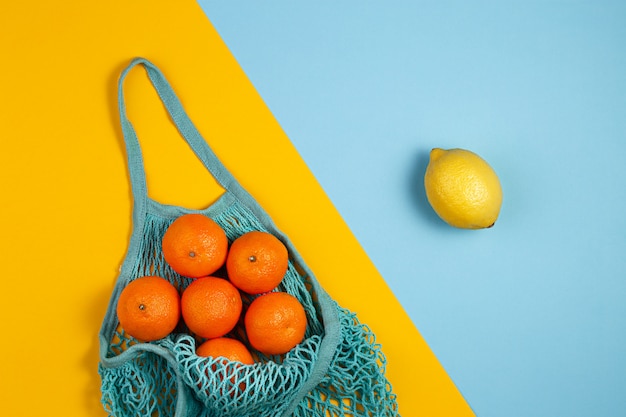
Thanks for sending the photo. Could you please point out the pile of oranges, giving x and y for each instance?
(150, 308)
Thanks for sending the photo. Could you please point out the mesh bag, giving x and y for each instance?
(337, 370)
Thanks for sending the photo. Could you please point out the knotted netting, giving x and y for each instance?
(337, 370)
(148, 383)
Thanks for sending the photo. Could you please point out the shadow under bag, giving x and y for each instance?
(337, 370)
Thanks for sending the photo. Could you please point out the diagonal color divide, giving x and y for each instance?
(65, 149)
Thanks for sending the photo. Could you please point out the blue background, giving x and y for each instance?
(529, 317)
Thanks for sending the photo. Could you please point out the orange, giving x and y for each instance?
(211, 307)
(149, 308)
(232, 350)
(257, 262)
(275, 323)
(194, 245)
(225, 347)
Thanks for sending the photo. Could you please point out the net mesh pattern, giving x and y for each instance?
(149, 383)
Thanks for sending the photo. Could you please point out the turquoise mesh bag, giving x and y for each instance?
(338, 369)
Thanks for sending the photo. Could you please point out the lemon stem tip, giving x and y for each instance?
(435, 153)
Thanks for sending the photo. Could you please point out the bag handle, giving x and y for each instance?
(182, 122)
(186, 128)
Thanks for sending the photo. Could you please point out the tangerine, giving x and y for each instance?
(275, 323)
(225, 347)
(211, 306)
(257, 262)
(194, 245)
(148, 308)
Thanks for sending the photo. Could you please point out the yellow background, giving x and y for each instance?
(66, 205)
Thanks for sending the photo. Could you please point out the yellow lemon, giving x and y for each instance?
(462, 188)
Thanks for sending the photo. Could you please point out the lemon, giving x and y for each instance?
(462, 188)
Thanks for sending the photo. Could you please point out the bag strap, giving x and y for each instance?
(182, 122)
(202, 150)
